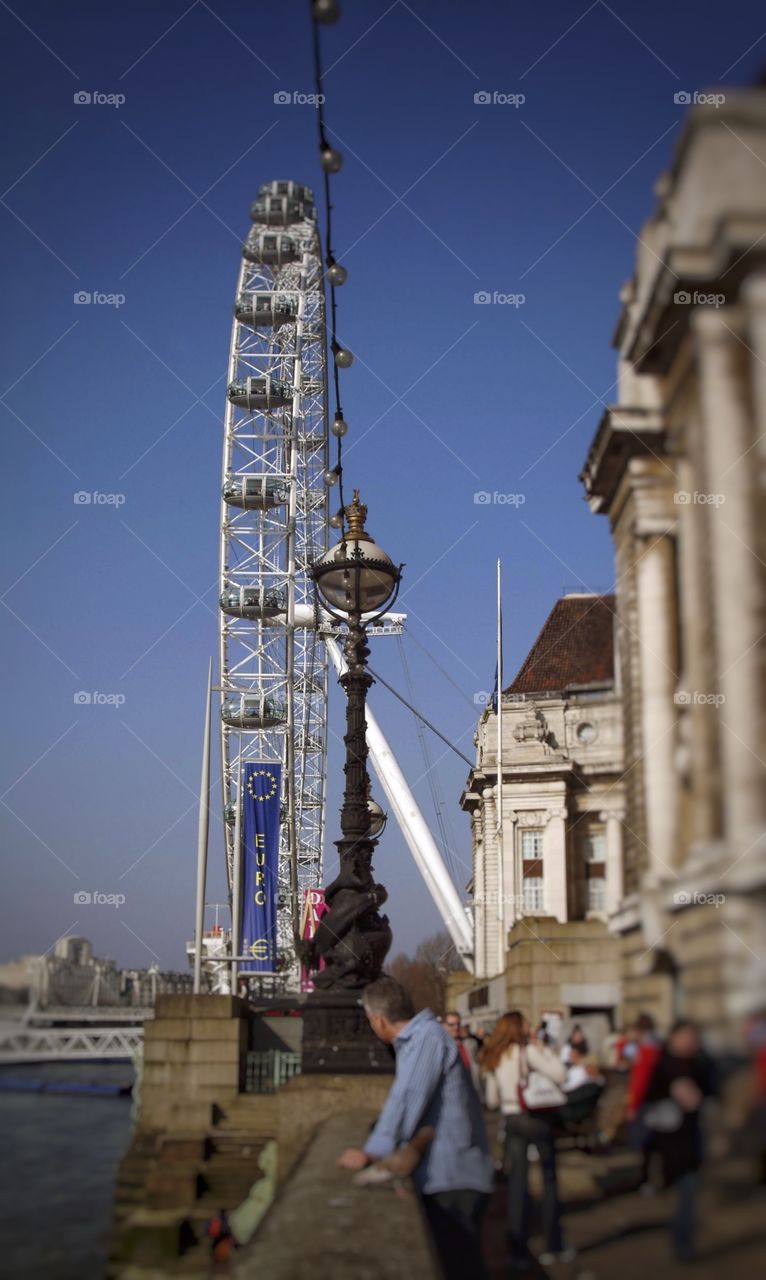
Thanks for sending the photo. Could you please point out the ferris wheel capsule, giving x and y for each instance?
(253, 602)
(255, 492)
(270, 249)
(260, 393)
(282, 187)
(280, 211)
(262, 309)
(245, 711)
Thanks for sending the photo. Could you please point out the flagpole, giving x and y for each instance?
(202, 837)
(236, 886)
(499, 786)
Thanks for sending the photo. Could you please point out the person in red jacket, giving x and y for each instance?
(646, 1053)
(645, 1056)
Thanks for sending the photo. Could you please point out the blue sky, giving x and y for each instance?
(440, 198)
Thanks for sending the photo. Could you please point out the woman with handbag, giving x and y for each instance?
(523, 1078)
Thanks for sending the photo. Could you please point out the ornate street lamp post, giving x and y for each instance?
(356, 582)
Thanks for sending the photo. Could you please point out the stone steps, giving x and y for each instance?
(253, 1113)
(207, 1207)
(197, 1147)
(237, 1144)
(150, 1238)
(181, 1147)
(135, 1168)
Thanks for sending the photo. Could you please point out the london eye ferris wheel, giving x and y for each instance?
(274, 641)
(274, 524)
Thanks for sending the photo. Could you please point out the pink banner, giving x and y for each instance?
(314, 907)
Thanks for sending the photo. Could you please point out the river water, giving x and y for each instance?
(57, 1172)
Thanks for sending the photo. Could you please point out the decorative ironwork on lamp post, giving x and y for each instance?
(356, 582)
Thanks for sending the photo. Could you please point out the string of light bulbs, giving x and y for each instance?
(324, 13)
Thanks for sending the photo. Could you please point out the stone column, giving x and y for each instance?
(755, 296)
(480, 892)
(614, 870)
(513, 879)
(507, 911)
(755, 299)
(493, 963)
(657, 649)
(698, 729)
(746, 917)
(737, 623)
(555, 865)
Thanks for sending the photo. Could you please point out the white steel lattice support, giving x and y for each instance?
(273, 671)
(80, 1044)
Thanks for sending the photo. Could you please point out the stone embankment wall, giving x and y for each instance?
(201, 1142)
(322, 1227)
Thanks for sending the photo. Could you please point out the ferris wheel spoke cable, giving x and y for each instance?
(439, 667)
(426, 722)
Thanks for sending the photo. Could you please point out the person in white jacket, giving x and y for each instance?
(507, 1058)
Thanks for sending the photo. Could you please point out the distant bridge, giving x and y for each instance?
(108, 1013)
(69, 1044)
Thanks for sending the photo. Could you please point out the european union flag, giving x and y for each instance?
(260, 855)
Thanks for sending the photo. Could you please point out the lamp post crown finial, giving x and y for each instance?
(355, 517)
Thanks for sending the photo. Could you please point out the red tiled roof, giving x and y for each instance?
(575, 647)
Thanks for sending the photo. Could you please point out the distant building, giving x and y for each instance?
(71, 977)
(540, 911)
(678, 465)
(15, 978)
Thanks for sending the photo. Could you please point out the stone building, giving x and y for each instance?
(678, 466)
(544, 887)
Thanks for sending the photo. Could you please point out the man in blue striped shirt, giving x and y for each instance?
(432, 1088)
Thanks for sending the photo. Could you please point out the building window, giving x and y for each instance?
(593, 853)
(596, 895)
(531, 846)
(531, 851)
(478, 999)
(534, 897)
(594, 845)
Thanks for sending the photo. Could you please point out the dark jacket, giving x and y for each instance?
(681, 1151)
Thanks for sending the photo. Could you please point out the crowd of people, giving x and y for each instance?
(449, 1079)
